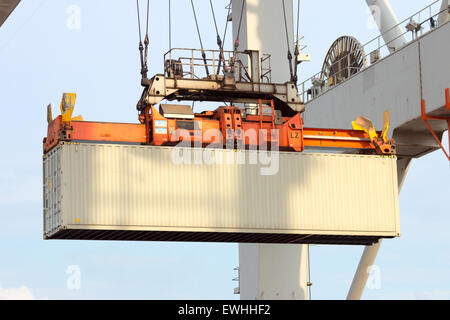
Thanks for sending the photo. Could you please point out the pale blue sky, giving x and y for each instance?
(40, 58)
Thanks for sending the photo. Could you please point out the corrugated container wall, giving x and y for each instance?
(123, 192)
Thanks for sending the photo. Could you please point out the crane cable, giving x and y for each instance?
(219, 40)
(200, 39)
(296, 50)
(143, 57)
(236, 42)
(170, 27)
(226, 23)
(289, 55)
(221, 57)
(146, 40)
(141, 47)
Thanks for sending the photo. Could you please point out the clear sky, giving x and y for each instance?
(42, 55)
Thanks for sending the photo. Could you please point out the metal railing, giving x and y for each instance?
(266, 68)
(422, 22)
(210, 64)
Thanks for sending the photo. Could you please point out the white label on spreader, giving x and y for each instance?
(161, 130)
(161, 123)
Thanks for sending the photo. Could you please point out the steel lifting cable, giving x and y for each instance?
(143, 58)
(226, 23)
(289, 56)
(219, 41)
(298, 15)
(236, 42)
(222, 58)
(296, 50)
(139, 20)
(146, 40)
(200, 39)
(170, 26)
(141, 47)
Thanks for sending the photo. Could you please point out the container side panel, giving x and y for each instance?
(122, 187)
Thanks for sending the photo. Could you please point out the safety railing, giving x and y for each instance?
(266, 68)
(376, 49)
(210, 64)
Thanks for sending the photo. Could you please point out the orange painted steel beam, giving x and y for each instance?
(136, 133)
(93, 131)
(336, 138)
(108, 131)
(447, 99)
(426, 117)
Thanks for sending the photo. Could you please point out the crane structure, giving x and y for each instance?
(6, 7)
(261, 107)
(272, 115)
(412, 79)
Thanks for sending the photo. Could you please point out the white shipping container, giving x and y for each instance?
(129, 192)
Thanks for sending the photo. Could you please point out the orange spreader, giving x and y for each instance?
(223, 127)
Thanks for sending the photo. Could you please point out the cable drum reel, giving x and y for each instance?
(345, 58)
